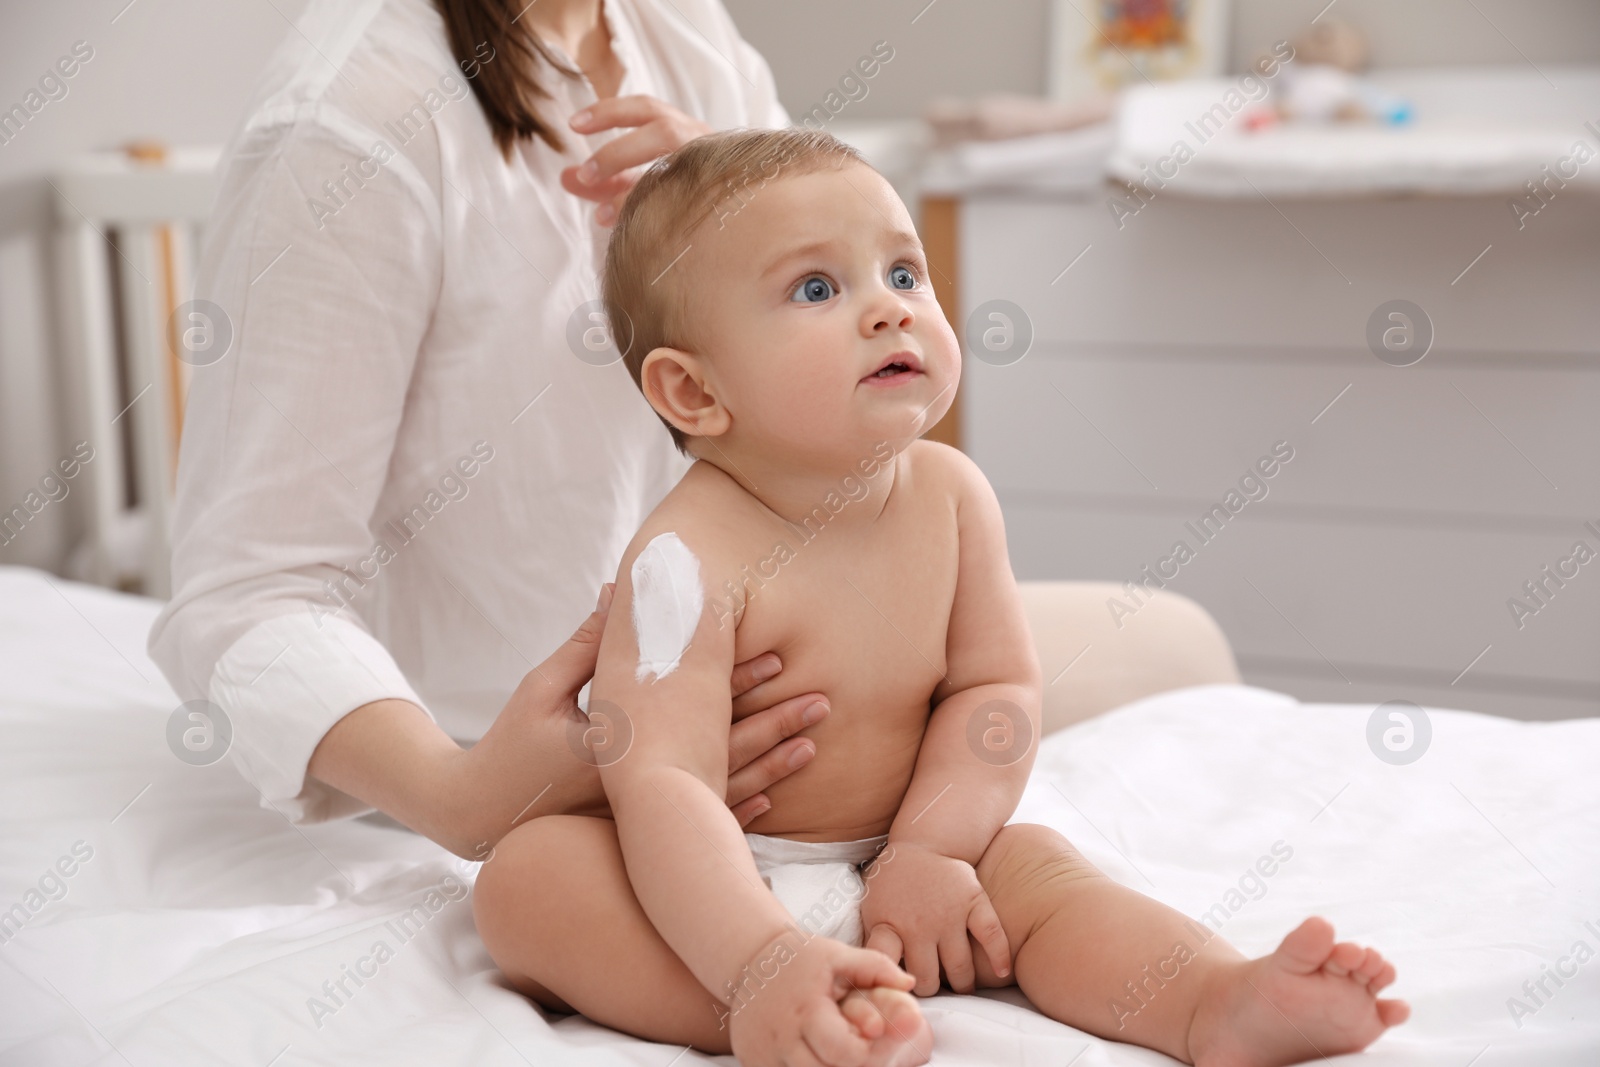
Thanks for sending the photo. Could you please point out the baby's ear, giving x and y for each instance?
(675, 384)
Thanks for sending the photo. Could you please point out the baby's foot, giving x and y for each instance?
(891, 1020)
(1311, 998)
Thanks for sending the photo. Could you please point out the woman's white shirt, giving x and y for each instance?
(402, 480)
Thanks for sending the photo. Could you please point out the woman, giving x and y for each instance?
(417, 464)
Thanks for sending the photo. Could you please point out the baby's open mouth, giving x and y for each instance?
(902, 367)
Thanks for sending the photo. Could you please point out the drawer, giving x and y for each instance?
(1452, 445)
(1215, 274)
(1388, 597)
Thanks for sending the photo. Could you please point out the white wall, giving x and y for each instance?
(964, 47)
(1434, 33)
(179, 71)
(182, 71)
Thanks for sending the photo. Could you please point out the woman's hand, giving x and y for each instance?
(538, 757)
(656, 128)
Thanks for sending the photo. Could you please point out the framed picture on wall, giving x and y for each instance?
(1101, 45)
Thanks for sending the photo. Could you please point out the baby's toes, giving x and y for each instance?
(898, 1009)
(1369, 968)
(906, 1040)
(862, 1014)
(1393, 1012)
(1345, 958)
(1382, 979)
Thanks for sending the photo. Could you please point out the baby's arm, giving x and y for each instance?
(976, 754)
(685, 854)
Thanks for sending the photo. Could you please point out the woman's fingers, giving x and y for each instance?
(601, 192)
(752, 672)
(653, 131)
(771, 766)
(648, 142)
(758, 733)
(606, 214)
(749, 808)
(762, 748)
(613, 111)
(654, 127)
(571, 665)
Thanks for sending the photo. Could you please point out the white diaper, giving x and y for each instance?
(819, 882)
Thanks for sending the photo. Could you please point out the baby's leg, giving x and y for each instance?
(1107, 959)
(558, 914)
(555, 908)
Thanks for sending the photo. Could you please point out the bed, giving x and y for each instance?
(197, 927)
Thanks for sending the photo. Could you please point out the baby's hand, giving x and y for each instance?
(788, 1008)
(920, 905)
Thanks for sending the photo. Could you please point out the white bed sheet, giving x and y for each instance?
(202, 923)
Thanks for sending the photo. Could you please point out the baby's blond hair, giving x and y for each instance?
(709, 179)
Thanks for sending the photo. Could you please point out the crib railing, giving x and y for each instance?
(128, 226)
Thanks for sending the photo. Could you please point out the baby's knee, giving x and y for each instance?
(525, 870)
(517, 901)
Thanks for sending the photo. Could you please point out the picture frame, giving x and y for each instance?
(1101, 45)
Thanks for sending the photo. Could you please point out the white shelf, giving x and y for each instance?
(1475, 131)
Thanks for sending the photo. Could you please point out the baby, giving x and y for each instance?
(773, 303)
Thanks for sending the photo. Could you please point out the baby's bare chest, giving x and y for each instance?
(858, 610)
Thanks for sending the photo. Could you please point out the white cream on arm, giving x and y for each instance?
(666, 604)
(704, 893)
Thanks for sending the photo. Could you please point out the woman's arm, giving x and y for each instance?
(286, 448)
(287, 445)
(392, 755)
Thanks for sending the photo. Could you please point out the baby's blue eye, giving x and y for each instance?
(901, 278)
(814, 289)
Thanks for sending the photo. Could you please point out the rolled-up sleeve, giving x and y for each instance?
(324, 258)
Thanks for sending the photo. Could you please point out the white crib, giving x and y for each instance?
(126, 238)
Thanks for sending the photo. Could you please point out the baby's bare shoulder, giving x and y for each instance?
(703, 511)
(936, 467)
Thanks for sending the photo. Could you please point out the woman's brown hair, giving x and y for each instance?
(507, 83)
